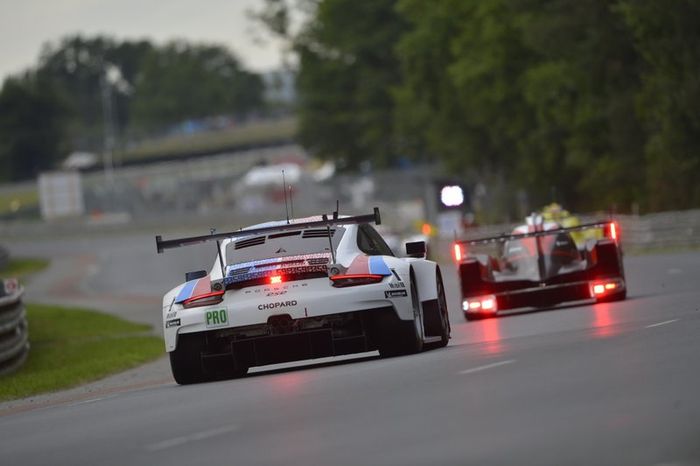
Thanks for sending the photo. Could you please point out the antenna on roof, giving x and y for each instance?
(337, 210)
(218, 253)
(330, 240)
(291, 200)
(284, 188)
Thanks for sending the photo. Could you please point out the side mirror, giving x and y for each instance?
(416, 249)
(189, 276)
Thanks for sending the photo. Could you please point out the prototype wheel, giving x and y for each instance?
(399, 337)
(186, 361)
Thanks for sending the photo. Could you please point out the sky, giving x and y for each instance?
(25, 25)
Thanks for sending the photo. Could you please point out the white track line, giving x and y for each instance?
(173, 442)
(665, 322)
(487, 366)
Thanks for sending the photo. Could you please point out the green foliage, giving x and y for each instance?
(667, 37)
(32, 119)
(347, 69)
(64, 104)
(181, 81)
(73, 346)
(77, 66)
(594, 101)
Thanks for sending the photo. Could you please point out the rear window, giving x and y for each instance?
(282, 244)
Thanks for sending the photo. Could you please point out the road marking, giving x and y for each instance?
(487, 366)
(92, 400)
(176, 441)
(662, 323)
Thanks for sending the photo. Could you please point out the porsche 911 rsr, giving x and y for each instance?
(539, 266)
(300, 289)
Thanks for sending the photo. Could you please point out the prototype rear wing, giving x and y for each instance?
(326, 222)
(610, 230)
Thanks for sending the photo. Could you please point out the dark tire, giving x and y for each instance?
(186, 360)
(471, 316)
(399, 337)
(445, 329)
(186, 363)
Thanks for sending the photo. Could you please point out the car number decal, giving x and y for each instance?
(216, 318)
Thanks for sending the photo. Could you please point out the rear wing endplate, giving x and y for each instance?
(326, 222)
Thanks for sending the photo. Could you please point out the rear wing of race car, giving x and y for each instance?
(610, 230)
(326, 222)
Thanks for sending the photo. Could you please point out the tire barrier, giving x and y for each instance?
(14, 335)
(4, 257)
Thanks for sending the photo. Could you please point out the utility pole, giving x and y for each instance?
(108, 123)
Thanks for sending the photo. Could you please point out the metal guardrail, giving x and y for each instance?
(14, 335)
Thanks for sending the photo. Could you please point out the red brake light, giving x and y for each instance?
(458, 252)
(356, 279)
(208, 299)
(603, 288)
(486, 303)
(275, 279)
(613, 231)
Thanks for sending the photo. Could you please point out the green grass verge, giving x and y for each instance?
(11, 202)
(73, 346)
(213, 141)
(22, 268)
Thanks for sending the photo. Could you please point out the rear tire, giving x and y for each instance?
(186, 360)
(186, 363)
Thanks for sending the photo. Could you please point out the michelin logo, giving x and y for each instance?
(395, 294)
(277, 305)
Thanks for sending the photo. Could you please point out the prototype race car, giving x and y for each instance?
(539, 265)
(300, 289)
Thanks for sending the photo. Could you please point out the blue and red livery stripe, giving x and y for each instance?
(194, 288)
(374, 265)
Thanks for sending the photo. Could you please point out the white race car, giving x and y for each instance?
(300, 289)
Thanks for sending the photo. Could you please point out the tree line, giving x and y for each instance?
(593, 102)
(84, 88)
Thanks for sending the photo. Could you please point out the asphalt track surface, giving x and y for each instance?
(615, 383)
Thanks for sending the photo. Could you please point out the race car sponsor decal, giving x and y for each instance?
(216, 318)
(395, 294)
(368, 264)
(397, 285)
(171, 315)
(277, 305)
(172, 323)
(273, 291)
(194, 288)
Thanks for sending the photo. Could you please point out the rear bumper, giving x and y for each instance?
(549, 295)
(299, 300)
(286, 340)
